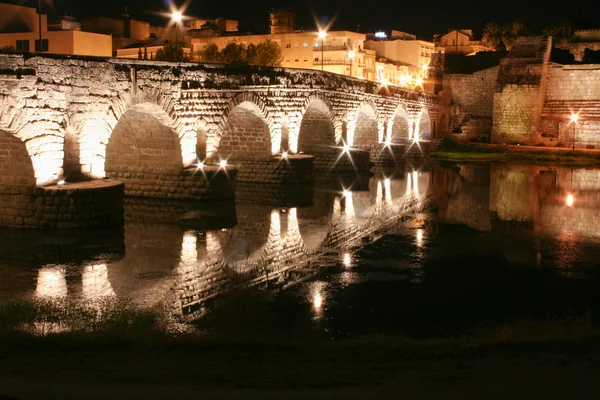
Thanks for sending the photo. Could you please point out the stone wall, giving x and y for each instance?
(472, 98)
(210, 183)
(96, 204)
(572, 89)
(293, 170)
(578, 49)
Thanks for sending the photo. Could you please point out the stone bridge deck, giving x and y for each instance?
(70, 119)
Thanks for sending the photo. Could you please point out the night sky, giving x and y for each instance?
(423, 18)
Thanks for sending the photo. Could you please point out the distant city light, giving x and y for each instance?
(380, 35)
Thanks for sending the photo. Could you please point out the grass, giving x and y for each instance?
(453, 151)
(116, 342)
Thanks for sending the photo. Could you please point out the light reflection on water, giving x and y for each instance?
(169, 257)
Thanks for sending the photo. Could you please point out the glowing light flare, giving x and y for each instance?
(223, 164)
(284, 155)
(574, 117)
(322, 33)
(350, 54)
(176, 16)
(346, 193)
(200, 165)
(419, 82)
(61, 182)
(347, 260)
(419, 237)
(424, 67)
(570, 200)
(317, 301)
(346, 148)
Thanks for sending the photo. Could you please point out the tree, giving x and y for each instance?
(171, 52)
(7, 49)
(492, 35)
(140, 53)
(145, 53)
(513, 30)
(234, 53)
(561, 32)
(210, 54)
(265, 53)
(268, 53)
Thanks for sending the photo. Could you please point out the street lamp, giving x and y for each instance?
(351, 57)
(574, 118)
(322, 34)
(176, 17)
(39, 11)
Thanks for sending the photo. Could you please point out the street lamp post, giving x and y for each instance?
(351, 57)
(322, 35)
(176, 16)
(574, 118)
(39, 10)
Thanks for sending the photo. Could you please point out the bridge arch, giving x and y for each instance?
(144, 140)
(423, 125)
(246, 130)
(400, 124)
(366, 129)
(16, 166)
(317, 130)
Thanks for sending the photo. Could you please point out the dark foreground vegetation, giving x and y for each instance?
(112, 349)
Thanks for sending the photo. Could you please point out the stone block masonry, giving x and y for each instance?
(95, 204)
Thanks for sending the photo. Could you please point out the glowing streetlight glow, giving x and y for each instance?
(570, 200)
(347, 260)
(346, 192)
(425, 67)
(200, 165)
(317, 301)
(419, 82)
(350, 54)
(574, 117)
(346, 148)
(176, 16)
(284, 155)
(322, 34)
(61, 182)
(223, 164)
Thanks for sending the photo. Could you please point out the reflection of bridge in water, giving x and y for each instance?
(181, 265)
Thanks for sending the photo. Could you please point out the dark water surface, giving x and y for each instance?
(421, 250)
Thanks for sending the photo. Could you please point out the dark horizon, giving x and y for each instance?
(253, 17)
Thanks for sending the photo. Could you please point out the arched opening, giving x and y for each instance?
(246, 134)
(400, 125)
(142, 142)
(365, 130)
(314, 223)
(201, 138)
(16, 168)
(317, 131)
(424, 126)
(442, 126)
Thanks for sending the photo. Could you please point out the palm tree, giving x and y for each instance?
(492, 35)
(561, 32)
(513, 30)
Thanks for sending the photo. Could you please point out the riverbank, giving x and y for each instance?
(453, 151)
(70, 367)
(132, 355)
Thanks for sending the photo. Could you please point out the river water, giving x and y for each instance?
(422, 250)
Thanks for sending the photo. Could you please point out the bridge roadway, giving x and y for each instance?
(183, 131)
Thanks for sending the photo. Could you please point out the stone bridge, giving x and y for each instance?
(165, 262)
(182, 131)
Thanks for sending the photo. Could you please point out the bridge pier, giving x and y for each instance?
(92, 204)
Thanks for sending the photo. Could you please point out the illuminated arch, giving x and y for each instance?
(423, 125)
(317, 129)
(364, 128)
(400, 124)
(16, 166)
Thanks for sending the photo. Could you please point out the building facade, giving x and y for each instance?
(20, 28)
(459, 41)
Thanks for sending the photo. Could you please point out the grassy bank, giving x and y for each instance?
(132, 348)
(453, 151)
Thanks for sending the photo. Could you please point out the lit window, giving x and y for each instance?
(305, 45)
(289, 45)
(316, 44)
